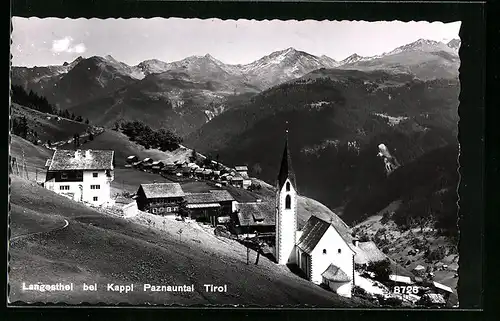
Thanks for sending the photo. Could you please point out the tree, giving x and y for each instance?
(91, 136)
(79, 119)
(87, 121)
(193, 156)
(257, 169)
(382, 269)
(183, 210)
(116, 126)
(49, 143)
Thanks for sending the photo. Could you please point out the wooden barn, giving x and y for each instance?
(160, 198)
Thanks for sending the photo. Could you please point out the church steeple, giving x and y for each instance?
(286, 170)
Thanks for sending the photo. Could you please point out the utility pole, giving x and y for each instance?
(25, 168)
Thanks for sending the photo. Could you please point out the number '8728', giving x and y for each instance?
(401, 289)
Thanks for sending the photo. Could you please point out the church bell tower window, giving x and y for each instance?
(288, 202)
(288, 186)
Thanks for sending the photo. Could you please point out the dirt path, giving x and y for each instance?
(66, 223)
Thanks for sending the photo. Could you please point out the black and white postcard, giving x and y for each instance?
(210, 162)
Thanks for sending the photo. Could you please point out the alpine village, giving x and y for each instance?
(271, 206)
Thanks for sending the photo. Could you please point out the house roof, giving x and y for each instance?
(335, 274)
(367, 252)
(286, 170)
(162, 190)
(132, 157)
(315, 228)
(442, 287)
(433, 298)
(200, 198)
(157, 163)
(237, 178)
(241, 168)
(203, 205)
(400, 279)
(221, 195)
(82, 160)
(419, 267)
(256, 214)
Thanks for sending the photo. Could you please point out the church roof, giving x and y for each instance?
(315, 228)
(335, 274)
(312, 232)
(286, 170)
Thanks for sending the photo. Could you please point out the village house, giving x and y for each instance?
(82, 175)
(443, 290)
(159, 198)
(210, 206)
(254, 218)
(132, 159)
(242, 171)
(245, 181)
(157, 166)
(366, 253)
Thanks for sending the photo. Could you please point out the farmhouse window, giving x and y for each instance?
(95, 174)
(64, 187)
(95, 198)
(169, 209)
(154, 210)
(95, 186)
(175, 209)
(288, 202)
(288, 186)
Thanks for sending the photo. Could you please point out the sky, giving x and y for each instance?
(53, 41)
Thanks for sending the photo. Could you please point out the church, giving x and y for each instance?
(322, 250)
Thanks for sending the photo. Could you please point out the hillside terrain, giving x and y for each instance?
(336, 120)
(137, 254)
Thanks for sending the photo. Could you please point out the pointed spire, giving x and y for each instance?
(286, 170)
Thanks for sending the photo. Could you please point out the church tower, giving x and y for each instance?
(286, 210)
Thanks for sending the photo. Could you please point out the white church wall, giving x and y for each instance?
(332, 242)
(286, 225)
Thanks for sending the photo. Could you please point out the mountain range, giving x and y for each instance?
(185, 94)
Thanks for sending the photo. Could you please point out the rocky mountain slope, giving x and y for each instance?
(185, 94)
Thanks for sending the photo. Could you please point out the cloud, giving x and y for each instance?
(66, 45)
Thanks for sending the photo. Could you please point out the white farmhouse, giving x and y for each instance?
(82, 175)
(322, 250)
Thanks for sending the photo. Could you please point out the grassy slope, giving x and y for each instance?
(98, 248)
(49, 129)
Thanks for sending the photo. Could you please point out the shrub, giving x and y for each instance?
(382, 269)
(436, 254)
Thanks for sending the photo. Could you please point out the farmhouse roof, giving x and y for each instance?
(335, 274)
(315, 228)
(237, 178)
(442, 287)
(256, 214)
(155, 163)
(286, 170)
(200, 198)
(82, 160)
(132, 157)
(367, 252)
(203, 205)
(241, 168)
(162, 190)
(221, 195)
(419, 268)
(147, 159)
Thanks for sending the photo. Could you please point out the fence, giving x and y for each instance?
(29, 172)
